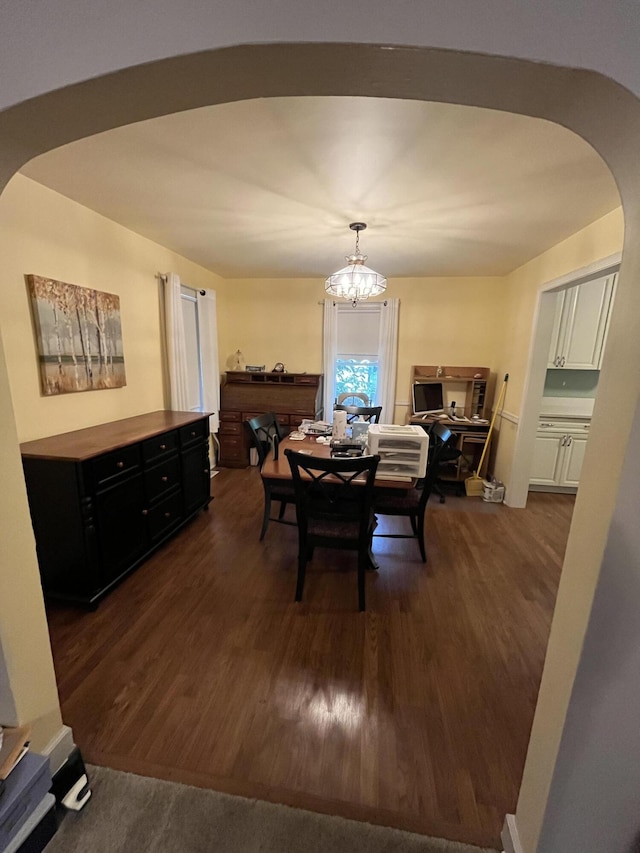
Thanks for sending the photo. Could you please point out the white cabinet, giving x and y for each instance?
(559, 452)
(580, 326)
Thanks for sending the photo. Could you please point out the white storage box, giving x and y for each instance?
(403, 450)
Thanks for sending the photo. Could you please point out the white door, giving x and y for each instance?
(547, 453)
(574, 451)
(587, 319)
(559, 331)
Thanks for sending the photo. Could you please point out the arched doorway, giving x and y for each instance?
(602, 112)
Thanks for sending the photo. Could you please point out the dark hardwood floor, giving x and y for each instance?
(201, 668)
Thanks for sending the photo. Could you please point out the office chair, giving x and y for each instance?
(370, 414)
(266, 435)
(334, 509)
(448, 455)
(412, 503)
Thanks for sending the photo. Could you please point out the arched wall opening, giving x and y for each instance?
(600, 111)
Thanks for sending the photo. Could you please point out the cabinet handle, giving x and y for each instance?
(562, 361)
(163, 447)
(542, 425)
(165, 479)
(205, 470)
(167, 515)
(569, 440)
(564, 441)
(120, 465)
(145, 512)
(193, 432)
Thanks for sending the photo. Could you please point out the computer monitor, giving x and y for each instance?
(427, 398)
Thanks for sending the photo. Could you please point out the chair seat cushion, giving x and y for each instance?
(396, 499)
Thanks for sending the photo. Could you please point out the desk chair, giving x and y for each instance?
(448, 455)
(265, 436)
(353, 398)
(412, 503)
(370, 414)
(332, 510)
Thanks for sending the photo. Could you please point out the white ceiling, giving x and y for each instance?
(267, 188)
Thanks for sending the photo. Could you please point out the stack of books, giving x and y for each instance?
(14, 744)
(316, 427)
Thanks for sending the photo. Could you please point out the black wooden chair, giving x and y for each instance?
(266, 435)
(412, 503)
(370, 414)
(333, 510)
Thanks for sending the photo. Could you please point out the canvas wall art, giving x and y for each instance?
(79, 336)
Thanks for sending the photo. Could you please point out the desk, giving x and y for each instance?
(471, 438)
(278, 469)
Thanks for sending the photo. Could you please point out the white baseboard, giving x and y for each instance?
(59, 748)
(509, 835)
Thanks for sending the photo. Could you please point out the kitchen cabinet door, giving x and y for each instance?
(547, 454)
(580, 325)
(573, 457)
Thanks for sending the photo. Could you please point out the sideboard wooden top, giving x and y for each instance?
(83, 444)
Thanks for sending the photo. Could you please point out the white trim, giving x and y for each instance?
(59, 748)
(509, 416)
(518, 486)
(509, 835)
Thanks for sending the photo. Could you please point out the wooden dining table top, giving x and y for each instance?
(278, 469)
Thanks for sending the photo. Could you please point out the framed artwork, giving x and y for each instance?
(79, 336)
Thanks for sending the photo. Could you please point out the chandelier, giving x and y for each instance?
(356, 282)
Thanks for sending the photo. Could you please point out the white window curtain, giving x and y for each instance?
(388, 358)
(175, 344)
(330, 350)
(208, 337)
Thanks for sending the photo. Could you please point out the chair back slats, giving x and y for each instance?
(370, 414)
(265, 435)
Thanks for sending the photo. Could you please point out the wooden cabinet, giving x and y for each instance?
(101, 499)
(580, 325)
(559, 453)
(467, 385)
(293, 397)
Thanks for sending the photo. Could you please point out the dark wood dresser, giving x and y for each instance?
(103, 498)
(291, 396)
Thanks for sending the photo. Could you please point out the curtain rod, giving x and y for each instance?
(384, 302)
(163, 278)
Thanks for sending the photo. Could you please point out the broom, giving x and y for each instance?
(473, 485)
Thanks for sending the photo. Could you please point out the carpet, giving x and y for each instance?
(135, 813)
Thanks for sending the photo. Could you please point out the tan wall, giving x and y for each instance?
(45, 233)
(442, 320)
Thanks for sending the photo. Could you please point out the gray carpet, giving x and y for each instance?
(132, 813)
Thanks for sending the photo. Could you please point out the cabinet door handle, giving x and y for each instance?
(569, 440)
(163, 447)
(543, 425)
(145, 512)
(167, 515)
(165, 479)
(562, 361)
(193, 433)
(564, 441)
(120, 465)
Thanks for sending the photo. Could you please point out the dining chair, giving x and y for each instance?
(353, 398)
(369, 414)
(334, 509)
(412, 503)
(266, 435)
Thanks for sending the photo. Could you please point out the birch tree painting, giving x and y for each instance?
(79, 336)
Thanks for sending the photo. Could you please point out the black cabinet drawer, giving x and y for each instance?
(119, 463)
(159, 445)
(162, 478)
(197, 431)
(165, 515)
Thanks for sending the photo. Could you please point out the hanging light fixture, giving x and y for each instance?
(356, 282)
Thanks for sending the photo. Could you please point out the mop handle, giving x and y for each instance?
(493, 420)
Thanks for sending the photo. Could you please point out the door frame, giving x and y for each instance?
(543, 319)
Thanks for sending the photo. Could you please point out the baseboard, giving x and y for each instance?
(509, 835)
(59, 749)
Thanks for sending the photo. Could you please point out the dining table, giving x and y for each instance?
(276, 468)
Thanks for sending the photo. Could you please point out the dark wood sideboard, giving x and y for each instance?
(291, 396)
(103, 498)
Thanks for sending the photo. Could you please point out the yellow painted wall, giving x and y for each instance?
(45, 233)
(441, 320)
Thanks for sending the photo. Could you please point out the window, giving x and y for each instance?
(360, 345)
(189, 303)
